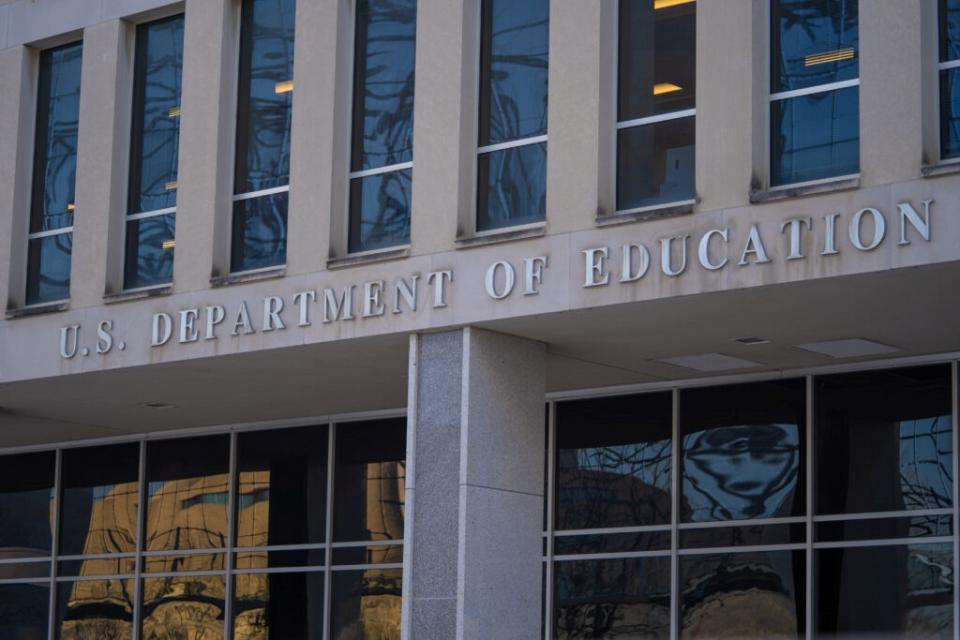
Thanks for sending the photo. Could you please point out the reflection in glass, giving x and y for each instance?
(370, 480)
(742, 449)
(23, 611)
(187, 485)
(655, 163)
(259, 232)
(905, 591)
(149, 255)
(278, 606)
(99, 496)
(884, 528)
(108, 566)
(184, 563)
(884, 441)
(743, 595)
(949, 16)
(183, 607)
(95, 610)
(612, 542)
(657, 58)
(365, 605)
(26, 491)
(513, 187)
(815, 136)
(513, 70)
(281, 486)
(370, 554)
(747, 535)
(380, 210)
(48, 268)
(950, 113)
(814, 42)
(626, 598)
(280, 559)
(613, 462)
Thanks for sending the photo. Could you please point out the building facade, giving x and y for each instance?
(371, 319)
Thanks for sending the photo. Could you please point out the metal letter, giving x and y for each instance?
(879, 229)
(215, 316)
(104, 337)
(372, 303)
(341, 308)
(188, 325)
(437, 279)
(704, 249)
(594, 259)
(301, 298)
(755, 246)
(830, 235)
(272, 306)
(162, 329)
(666, 257)
(65, 351)
(627, 274)
(509, 277)
(243, 320)
(909, 214)
(533, 274)
(796, 228)
(408, 293)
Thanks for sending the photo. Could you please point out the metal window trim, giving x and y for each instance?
(654, 119)
(820, 88)
(513, 144)
(881, 515)
(271, 570)
(884, 542)
(662, 528)
(150, 214)
(50, 232)
(625, 555)
(729, 524)
(390, 168)
(250, 195)
(366, 567)
(948, 64)
(746, 548)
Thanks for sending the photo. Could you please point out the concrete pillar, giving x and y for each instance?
(102, 152)
(474, 496)
(208, 114)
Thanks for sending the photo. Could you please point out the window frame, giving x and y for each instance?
(939, 67)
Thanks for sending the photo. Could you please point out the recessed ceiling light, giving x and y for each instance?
(159, 405)
(848, 348)
(710, 362)
(751, 340)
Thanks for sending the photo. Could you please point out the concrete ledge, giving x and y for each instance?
(138, 294)
(666, 210)
(249, 276)
(940, 169)
(507, 235)
(38, 309)
(844, 183)
(382, 255)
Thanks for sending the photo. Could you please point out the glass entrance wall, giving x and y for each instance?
(818, 506)
(263, 534)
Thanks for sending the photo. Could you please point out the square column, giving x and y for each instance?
(474, 495)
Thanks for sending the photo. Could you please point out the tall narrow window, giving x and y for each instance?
(814, 90)
(949, 78)
(154, 146)
(382, 153)
(512, 162)
(264, 110)
(656, 105)
(54, 175)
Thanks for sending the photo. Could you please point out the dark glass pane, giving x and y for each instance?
(278, 606)
(98, 511)
(613, 462)
(813, 42)
(949, 30)
(185, 563)
(512, 187)
(657, 65)
(48, 268)
(282, 486)
(55, 153)
(890, 592)
(743, 451)
(624, 599)
(815, 136)
(95, 609)
(884, 528)
(26, 489)
(183, 607)
(884, 441)
(22, 570)
(259, 232)
(655, 163)
(743, 595)
(370, 480)
(275, 559)
(187, 481)
(155, 138)
(115, 566)
(365, 605)
(950, 113)
(747, 535)
(513, 70)
(24, 611)
(384, 47)
(380, 210)
(612, 542)
(265, 97)
(150, 246)
(370, 554)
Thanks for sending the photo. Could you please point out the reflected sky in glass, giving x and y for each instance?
(48, 268)
(655, 163)
(259, 232)
(380, 210)
(150, 248)
(512, 187)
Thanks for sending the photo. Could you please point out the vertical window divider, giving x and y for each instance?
(954, 409)
(550, 489)
(808, 561)
(141, 535)
(55, 544)
(231, 536)
(674, 515)
(328, 555)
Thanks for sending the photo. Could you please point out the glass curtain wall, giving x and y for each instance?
(512, 152)
(154, 151)
(794, 508)
(656, 103)
(292, 533)
(814, 90)
(949, 70)
(264, 111)
(381, 160)
(50, 239)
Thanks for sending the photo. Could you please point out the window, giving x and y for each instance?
(656, 104)
(154, 147)
(381, 160)
(814, 90)
(949, 78)
(54, 175)
(512, 153)
(264, 109)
